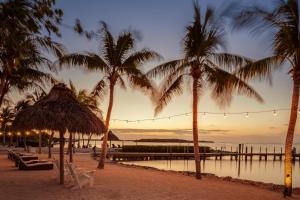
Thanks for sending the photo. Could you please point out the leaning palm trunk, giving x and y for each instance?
(289, 140)
(104, 143)
(195, 129)
(49, 145)
(2, 87)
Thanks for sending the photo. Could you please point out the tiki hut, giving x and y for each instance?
(59, 111)
(111, 137)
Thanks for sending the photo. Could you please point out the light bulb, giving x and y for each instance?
(274, 113)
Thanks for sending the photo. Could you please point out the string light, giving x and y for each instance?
(18, 133)
(1, 133)
(225, 115)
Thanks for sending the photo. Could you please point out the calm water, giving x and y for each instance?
(264, 171)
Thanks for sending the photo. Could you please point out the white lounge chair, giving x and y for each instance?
(81, 177)
(68, 176)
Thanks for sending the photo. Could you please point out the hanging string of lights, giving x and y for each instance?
(204, 114)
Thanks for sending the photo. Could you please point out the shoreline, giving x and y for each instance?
(268, 186)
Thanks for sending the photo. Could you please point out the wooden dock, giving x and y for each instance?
(203, 156)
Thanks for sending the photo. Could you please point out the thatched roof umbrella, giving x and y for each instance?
(111, 137)
(59, 111)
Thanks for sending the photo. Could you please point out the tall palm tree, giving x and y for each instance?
(205, 66)
(22, 41)
(281, 23)
(116, 61)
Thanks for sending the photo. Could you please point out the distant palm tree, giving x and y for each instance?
(116, 61)
(204, 65)
(86, 99)
(282, 24)
(7, 115)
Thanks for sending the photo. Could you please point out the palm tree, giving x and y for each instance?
(281, 23)
(205, 67)
(116, 61)
(7, 115)
(86, 99)
(29, 100)
(22, 42)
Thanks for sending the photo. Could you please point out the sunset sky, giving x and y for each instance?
(162, 26)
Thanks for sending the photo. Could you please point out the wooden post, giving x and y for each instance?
(216, 153)
(260, 153)
(251, 156)
(266, 157)
(274, 154)
(40, 142)
(246, 153)
(280, 158)
(231, 153)
(240, 148)
(61, 157)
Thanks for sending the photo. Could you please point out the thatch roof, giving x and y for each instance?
(58, 111)
(111, 137)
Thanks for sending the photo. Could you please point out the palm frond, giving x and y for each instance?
(138, 58)
(108, 44)
(224, 84)
(124, 44)
(90, 61)
(100, 89)
(261, 69)
(230, 61)
(165, 69)
(167, 92)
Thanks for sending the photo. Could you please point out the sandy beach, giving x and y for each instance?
(121, 182)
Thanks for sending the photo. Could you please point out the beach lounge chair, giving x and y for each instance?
(68, 176)
(80, 177)
(35, 165)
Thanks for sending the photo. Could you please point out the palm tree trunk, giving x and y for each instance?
(70, 147)
(82, 140)
(195, 129)
(108, 114)
(61, 157)
(2, 89)
(289, 141)
(89, 139)
(24, 141)
(49, 144)
(40, 142)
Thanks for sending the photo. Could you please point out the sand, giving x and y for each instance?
(120, 182)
